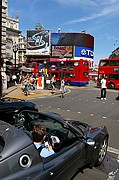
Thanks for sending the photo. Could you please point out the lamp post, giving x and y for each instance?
(15, 49)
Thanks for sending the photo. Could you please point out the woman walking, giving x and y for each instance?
(62, 87)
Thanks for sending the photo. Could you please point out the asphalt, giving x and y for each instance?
(15, 92)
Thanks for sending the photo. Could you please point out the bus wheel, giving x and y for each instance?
(111, 86)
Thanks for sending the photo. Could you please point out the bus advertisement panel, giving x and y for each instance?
(109, 67)
(75, 72)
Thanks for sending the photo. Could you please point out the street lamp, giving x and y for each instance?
(15, 49)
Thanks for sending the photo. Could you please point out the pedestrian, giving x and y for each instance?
(62, 87)
(8, 81)
(26, 88)
(53, 81)
(14, 79)
(103, 88)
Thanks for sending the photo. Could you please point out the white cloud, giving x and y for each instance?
(86, 3)
(100, 12)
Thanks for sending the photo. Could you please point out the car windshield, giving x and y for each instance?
(54, 126)
(80, 127)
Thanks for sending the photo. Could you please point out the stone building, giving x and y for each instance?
(3, 30)
(12, 38)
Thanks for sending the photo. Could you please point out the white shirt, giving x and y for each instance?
(103, 83)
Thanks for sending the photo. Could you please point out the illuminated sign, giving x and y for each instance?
(38, 42)
(62, 51)
(72, 39)
(84, 52)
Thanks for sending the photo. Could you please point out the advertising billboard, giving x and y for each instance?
(38, 42)
(62, 51)
(84, 52)
(72, 39)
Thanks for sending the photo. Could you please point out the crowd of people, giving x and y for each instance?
(29, 82)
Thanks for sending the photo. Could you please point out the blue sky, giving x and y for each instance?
(98, 18)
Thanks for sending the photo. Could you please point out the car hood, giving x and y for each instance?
(87, 130)
(9, 135)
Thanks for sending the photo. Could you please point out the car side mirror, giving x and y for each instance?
(90, 142)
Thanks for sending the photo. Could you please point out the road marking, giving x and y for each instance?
(104, 117)
(112, 174)
(113, 150)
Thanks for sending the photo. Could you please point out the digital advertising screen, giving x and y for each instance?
(62, 51)
(84, 52)
(72, 39)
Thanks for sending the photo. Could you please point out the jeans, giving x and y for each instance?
(103, 93)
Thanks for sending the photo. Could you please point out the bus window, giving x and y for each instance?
(116, 70)
(69, 64)
(69, 75)
(104, 63)
(114, 77)
(76, 63)
(85, 63)
(114, 63)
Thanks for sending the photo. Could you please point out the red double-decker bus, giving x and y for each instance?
(76, 72)
(110, 68)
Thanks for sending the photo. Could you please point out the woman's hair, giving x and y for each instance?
(38, 132)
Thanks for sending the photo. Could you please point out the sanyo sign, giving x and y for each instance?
(84, 52)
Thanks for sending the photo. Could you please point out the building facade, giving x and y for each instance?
(12, 39)
(3, 30)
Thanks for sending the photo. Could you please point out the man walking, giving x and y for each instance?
(103, 88)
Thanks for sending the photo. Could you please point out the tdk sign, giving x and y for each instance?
(84, 52)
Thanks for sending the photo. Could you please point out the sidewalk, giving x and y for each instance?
(15, 92)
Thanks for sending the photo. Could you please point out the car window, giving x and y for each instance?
(53, 127)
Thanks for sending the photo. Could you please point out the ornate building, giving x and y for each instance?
(12, 39)
(3, 30)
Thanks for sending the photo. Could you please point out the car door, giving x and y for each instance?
(63, 165)
(71, 156)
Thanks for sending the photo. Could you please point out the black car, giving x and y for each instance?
(80, 146)
(10, 105)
